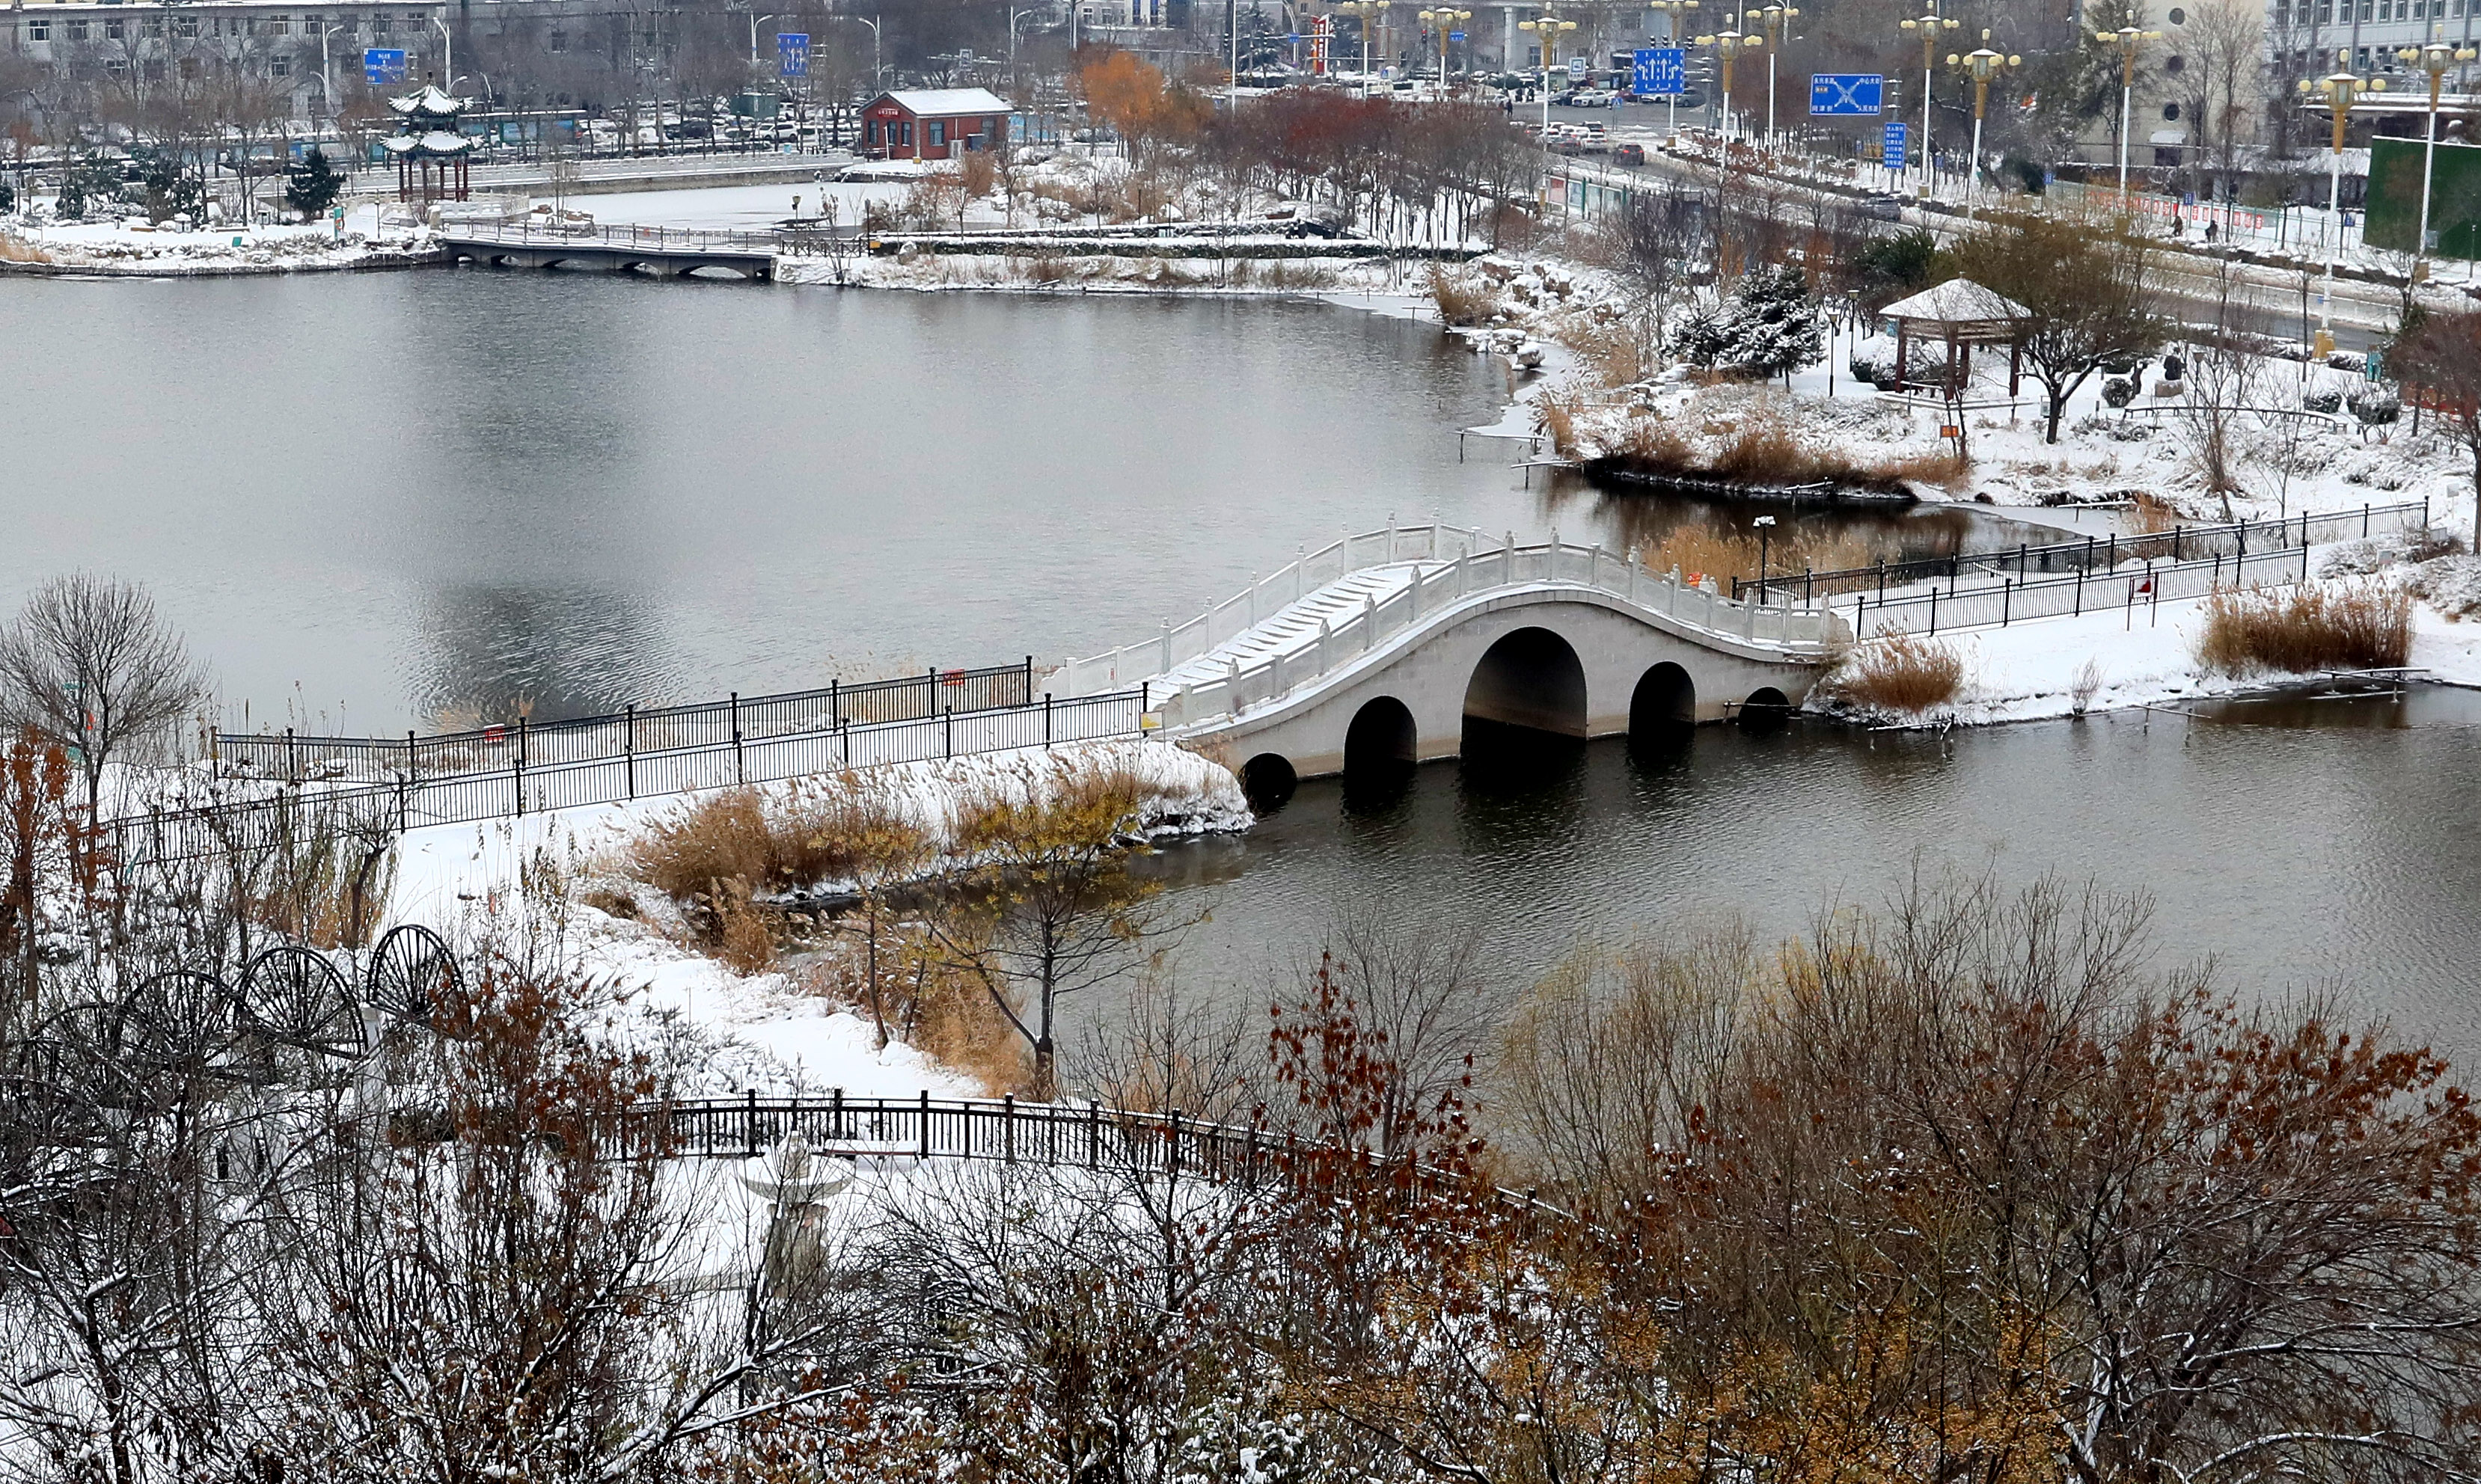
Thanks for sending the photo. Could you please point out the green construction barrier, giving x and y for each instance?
(2454, 202)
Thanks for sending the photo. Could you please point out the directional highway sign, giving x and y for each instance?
(1662, 71)
(791, 54)
(382, 64)
(1845, 95)
(1891, 152)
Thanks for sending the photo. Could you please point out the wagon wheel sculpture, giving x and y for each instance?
(181, 1021)
(409, 972)
(294, 996)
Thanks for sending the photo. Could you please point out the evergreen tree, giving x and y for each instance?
(84, 183)
(1770, 326)
(312, 185)
(166, 185)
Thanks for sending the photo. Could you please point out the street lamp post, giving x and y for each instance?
(447, 49)
(1672, 10)
(874, 46)
(1013, 17)
(1548, 27)
(1765, 525)
(753, 37)
(2341, 89)
(2434, 59)
(1929, 24)
(2127, 38)
(1982, 64)
(1773, 16)
(1445, 21)
(1368, 12)
(326, 82)
(1728, 46)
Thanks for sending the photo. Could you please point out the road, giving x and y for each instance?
(2265, 300)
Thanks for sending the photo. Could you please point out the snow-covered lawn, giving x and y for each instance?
(132, 246)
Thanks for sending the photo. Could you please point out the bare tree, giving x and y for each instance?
(2083, 289)
(90, 663)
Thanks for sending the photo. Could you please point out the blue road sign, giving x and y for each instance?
(791, 54)
(1456, 36)
(1845, 95)
(382, 65)
(1662, 71)
(1890, 151)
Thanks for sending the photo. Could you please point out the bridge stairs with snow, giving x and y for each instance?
(1380, 647)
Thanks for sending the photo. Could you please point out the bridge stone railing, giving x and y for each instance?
(1449, 564)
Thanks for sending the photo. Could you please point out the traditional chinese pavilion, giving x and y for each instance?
(431, 158)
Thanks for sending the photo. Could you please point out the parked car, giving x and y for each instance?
(1884, 206)
(1628, 154)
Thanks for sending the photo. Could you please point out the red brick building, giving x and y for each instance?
(936, 123)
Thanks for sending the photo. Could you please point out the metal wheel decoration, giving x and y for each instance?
(180, 1020)
(294, 996)
(409, 971)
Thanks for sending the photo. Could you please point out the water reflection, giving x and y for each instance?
(2336, 852)
(543, 652)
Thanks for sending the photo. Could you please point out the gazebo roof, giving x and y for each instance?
(1959, 304)
(429, 102)
(437, 144)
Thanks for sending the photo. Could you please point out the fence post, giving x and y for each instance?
(1093, 1136)
(948, 730)
(1145, 701)
(1027, 694)
(1007, 1127)
(925, 1123)
(1171, 1151)
(518, 772)
(2006, 601)
(1933, 608)
(2364, 521)
(1046, 718)
(836, 704)
(2176, 532)
(292, 763)
(629, 748)
(2080, 583)
(749, 1118)
(738, 774)
(836, 1115)
(409, 754)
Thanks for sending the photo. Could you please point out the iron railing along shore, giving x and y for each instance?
(2089, 554)
(1997, 604)
(632, 731)
(412, 799)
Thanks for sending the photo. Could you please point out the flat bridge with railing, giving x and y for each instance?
(1381, 649)
(663, 251)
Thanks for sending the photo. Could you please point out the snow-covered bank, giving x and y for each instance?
(364, 239)
(766, 1030)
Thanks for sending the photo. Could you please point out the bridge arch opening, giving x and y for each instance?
(1382, 744)
(1662, 711)
(1530, 680)
(1765, 710)
(1268, 780)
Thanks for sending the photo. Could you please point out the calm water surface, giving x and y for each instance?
(398, 497)
(373, 500)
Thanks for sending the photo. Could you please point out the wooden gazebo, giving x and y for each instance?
(431, 158)
(1960, 314)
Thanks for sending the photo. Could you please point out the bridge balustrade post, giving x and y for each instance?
(1166, 642)
(1369, 622)
(1412, 596)
(1507, 551)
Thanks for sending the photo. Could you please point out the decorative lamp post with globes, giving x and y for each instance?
(1444, 21)
(1982, 64)
(1928, 25)
(2434, 59)
(1728, 46)
(1548, 28)
(1773, 18)
(1369, 13)
(2341, 89)
(1672, 11)
(2127, 38)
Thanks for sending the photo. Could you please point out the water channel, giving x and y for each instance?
(377, 501)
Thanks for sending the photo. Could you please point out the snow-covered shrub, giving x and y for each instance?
(1771, 325)
(2119, 391)
(2450, 585)
(2326, 400)
(2377, 405)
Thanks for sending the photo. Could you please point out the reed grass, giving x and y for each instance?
(1904, 673)
(2347, 626)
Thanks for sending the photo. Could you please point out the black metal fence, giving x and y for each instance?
(1999, 604)
(2179, 544)
(411, 799)
(1002, 1129)
(631, 732)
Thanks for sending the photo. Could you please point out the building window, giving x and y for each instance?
(279, 25)
(2175, 64)
(112, 29)
(186, 27)
(77, 30)
(906, 139)
(2171, 113)
(556, 39)
(155, 25)
(39, 30)
(938, 131)
(279, 66)
(380, 25)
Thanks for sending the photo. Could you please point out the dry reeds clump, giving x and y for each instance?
(829, 829)
(1945, 468)
(1705, 551)
(1900, 672)
(1555, 417)
(1463, 299)
(2349, 625)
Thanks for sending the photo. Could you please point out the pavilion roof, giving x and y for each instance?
(1958, 303)
(436, 143)
(429, 102)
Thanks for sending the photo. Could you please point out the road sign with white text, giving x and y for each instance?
(1847, 95)
(1662, 71)
(1891, 151)
(791, 54)
(1577, 66)
(382, 65)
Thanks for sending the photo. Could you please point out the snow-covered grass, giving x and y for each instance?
(766, 1030)
(131, 246)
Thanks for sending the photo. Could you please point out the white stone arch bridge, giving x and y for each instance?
(1379, 649)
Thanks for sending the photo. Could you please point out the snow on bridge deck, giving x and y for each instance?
(1298, 626)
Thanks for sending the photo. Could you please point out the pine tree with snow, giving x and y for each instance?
(1771, 325)
(311, 186)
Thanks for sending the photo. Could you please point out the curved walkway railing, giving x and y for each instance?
(1004, 1131)
(1458, 563)
(614, 237)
